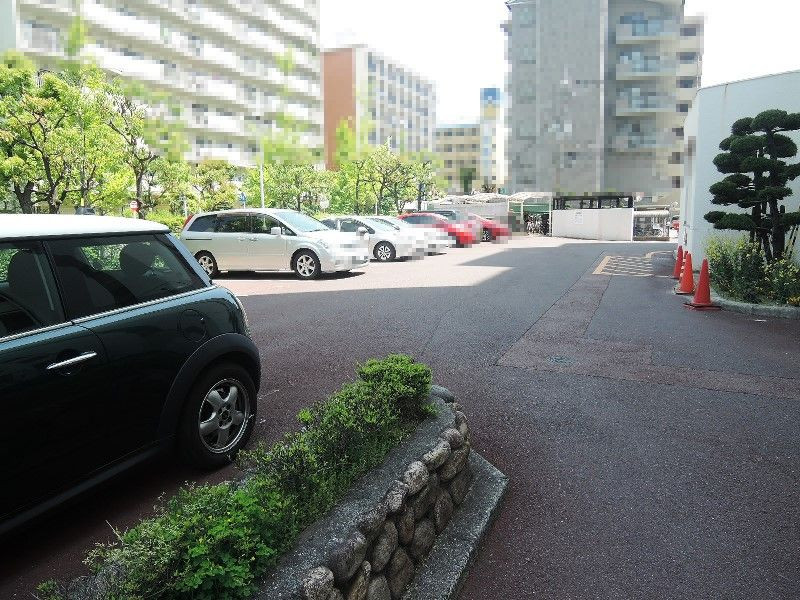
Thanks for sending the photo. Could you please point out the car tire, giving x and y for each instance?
(486, 236)
(385, 252)
(306, 265)
(208, 263)
(217, 421)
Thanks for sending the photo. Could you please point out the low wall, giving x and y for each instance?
(374, 542)
(607, 224)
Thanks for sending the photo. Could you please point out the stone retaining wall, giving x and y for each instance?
(379, 558)
(371, 545)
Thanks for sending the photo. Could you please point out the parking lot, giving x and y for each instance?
(592, 389)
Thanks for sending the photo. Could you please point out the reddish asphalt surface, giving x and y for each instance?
(646, 458)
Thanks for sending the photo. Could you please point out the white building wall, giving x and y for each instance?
(709, 122)
(607, 224)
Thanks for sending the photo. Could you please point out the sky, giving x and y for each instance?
(458, 44)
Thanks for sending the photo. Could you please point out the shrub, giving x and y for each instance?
(782, 281)
(737, 268)
(174, 222)
(214, 541)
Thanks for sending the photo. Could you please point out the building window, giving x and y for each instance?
(676, 158)
(678, 132)
(683, 107)
(687, 57)
(687, 82)
(689, 31)
(677, 182)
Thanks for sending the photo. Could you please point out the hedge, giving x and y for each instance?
(215, 541)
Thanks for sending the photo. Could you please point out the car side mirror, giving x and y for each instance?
(276, 231)
(362, 231)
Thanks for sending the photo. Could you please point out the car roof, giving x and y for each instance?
(246, 211)
(46, 226)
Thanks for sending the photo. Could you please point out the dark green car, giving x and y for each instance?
(114, 344)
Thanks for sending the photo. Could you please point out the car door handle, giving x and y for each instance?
(72, 361)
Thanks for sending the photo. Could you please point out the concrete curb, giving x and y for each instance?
(758, 310)
(442, 575)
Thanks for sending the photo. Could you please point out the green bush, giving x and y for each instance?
(174, 222)
(740, 272)
(214, 541)
(782, 281)
(737, 268)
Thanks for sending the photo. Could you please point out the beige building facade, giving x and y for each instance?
(474, 154)
(217, 61)
(396, 105)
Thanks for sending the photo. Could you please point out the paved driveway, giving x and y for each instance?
(644, 462)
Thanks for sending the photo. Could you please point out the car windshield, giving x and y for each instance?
(302, 223)
(448, 215)
(395, 222)
(379, 225)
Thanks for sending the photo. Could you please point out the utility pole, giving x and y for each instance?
(261, 172)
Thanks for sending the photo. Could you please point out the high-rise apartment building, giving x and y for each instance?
(217, 60)
(366, 89)
(475, 150)
(599, 91)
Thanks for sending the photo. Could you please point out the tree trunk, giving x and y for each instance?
(25, 197)
(778, 233)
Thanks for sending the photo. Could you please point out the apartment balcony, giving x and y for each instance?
(633, 70)
(684, 95)
(645, 105)
(689, 69)
(652, 31)
(643, 142)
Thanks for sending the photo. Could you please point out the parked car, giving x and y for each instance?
(456, 217)
(427, 240)
(491, 230)
(114, 344)
(463, 235)
(271, 240)
(385, 243)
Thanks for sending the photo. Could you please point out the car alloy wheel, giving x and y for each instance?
(306, 265)
(207, 263)
(384, 252)
(486, 236)
(223, 416)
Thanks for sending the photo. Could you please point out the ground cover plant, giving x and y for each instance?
(215, 541)
(740, 271)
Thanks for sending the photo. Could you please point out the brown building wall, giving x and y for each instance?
(339, 94)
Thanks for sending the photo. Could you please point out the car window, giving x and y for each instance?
(265, 223)
(28, 296)
(351, 226)
(426, 219)
(233, 223)
(330, 223)
(205, 223)
(98, 274)
(413, 219)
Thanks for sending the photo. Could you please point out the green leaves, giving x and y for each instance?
(757, 177)
(214, 541)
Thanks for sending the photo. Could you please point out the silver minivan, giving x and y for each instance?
(271, 239)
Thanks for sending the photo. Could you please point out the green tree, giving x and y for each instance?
(385, 173)
(757, 180)
(17, 166)
(466, 176)
(212, 182)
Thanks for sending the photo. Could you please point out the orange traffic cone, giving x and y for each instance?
(686, 286)
(702, 298)
(676, 274)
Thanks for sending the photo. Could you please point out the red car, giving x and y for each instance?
(462, 234)
(491, 230)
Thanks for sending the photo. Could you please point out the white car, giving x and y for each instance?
(385, 242)
(270, 239)
(426, 240)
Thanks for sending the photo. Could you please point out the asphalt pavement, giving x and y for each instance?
(652, 451)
